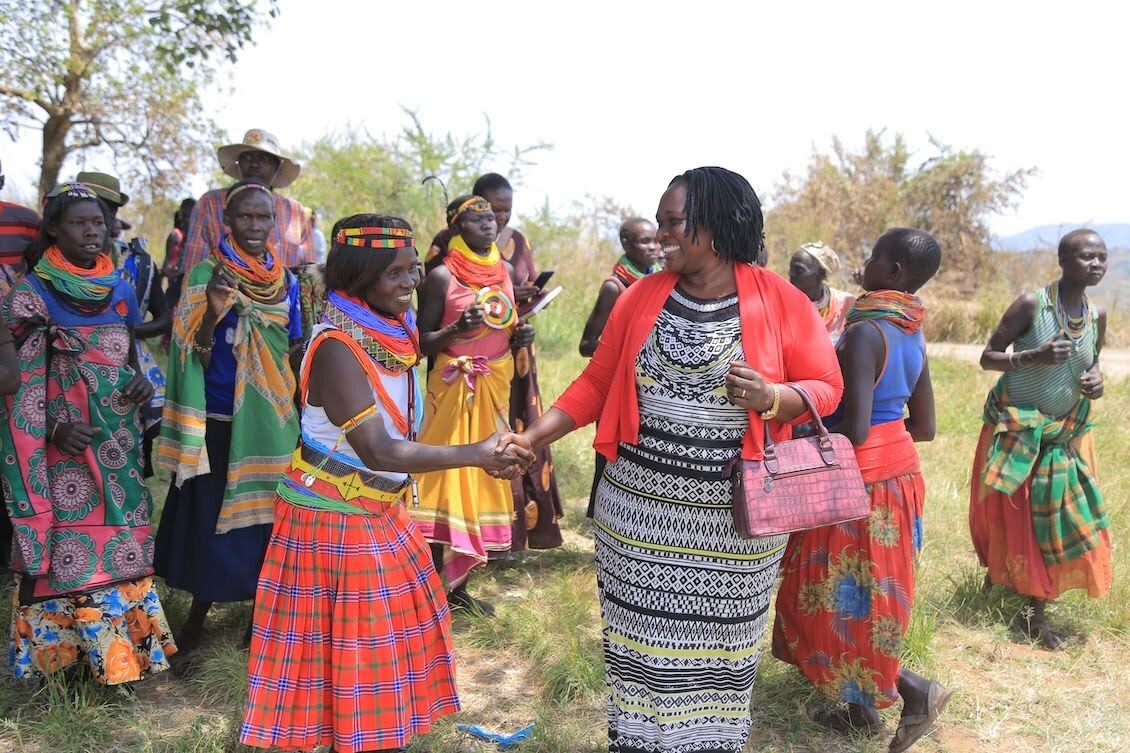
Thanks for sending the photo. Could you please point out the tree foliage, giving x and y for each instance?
(353, 171)
(847, 199)
(120, 77)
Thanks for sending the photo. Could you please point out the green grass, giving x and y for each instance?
(540, 659)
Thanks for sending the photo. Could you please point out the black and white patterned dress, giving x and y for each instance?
(684, 599)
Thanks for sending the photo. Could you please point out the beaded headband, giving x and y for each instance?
(473, 204)
(374, 237)
(233, 192)
(72, 189)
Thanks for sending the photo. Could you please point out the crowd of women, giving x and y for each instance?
(320, 469)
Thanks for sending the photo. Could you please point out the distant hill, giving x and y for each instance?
(1116, 235)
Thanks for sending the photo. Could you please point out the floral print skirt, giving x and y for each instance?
(120, 631)
(844, 602)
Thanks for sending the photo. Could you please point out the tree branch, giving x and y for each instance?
(27, 96)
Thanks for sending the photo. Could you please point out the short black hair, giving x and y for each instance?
(490, 182)
(627, 225)
(723, 202)
(917, 251)
(1073, 241)
(355, 269)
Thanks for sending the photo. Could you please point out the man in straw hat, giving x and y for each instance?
(258, 157)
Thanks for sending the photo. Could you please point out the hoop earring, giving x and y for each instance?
(713, 247)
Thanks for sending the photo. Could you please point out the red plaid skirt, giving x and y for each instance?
(351, 644)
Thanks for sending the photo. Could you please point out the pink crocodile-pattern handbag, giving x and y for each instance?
(798, 484)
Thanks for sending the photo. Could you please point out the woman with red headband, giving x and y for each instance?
(352, 634)
(229, 424)
(469, 322)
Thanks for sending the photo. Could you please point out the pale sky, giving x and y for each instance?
(632, 93)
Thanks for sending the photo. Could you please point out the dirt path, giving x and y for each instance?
(1115, 361)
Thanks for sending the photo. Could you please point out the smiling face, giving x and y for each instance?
(80, 233)
(1086, 264)
(251, 218)
(502, 202)
(479, 229)
(682, 254)
(391, 294)
(806, 274)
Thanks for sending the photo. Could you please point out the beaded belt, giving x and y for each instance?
(334, 467)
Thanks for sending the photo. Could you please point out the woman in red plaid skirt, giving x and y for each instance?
(351, 644)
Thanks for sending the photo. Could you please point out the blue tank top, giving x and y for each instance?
(906, 353)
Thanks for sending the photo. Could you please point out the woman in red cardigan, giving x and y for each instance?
(691, 364)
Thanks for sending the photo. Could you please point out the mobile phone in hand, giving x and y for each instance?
(543, 278)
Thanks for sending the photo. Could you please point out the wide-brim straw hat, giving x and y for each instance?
(259, 140)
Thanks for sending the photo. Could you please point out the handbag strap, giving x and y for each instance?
(825, 442)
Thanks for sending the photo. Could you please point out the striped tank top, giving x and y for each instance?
(1051, 389)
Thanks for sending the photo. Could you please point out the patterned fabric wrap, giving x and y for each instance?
(311, 296)
(465, 509)
(835, 312)
(1005, 540)
(1067, 507)
(121, 631)
(684, 600)
(264, 422)
(904, 310)
(80, 521)
(844, 603)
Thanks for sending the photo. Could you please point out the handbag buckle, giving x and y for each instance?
(827, 452)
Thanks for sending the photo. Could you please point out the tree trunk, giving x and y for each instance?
(54, 151)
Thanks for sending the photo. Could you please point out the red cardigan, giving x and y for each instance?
(782, 335)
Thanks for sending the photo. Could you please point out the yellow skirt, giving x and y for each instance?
(465, 509)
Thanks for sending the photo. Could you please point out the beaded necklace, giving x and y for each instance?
(262, 279)
(394, 344)
(471, 268)
(87, 290)
(1074, 328)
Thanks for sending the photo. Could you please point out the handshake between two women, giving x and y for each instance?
(506, 455)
